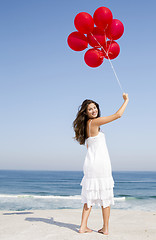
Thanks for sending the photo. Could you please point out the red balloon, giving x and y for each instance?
(77, 41)
(115, 29)
(112, 48)
(99, 35)
(84, 22)
(103, 17)
(94, 57)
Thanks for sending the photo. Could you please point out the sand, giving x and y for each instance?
(64, 224)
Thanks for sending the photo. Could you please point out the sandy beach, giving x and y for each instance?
(64, 224)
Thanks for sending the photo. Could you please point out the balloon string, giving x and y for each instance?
(109, 60)
(115, 74)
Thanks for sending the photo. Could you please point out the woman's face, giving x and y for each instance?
(92, 111)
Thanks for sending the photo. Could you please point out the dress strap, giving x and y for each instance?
(89, 128)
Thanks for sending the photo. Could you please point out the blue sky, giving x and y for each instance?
(43, 82)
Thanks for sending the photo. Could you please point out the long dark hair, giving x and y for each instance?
(79, 123)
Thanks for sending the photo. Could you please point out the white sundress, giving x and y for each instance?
(97, 182)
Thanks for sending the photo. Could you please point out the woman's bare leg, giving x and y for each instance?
(106, 215)
(85, 215)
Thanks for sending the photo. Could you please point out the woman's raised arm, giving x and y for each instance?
(103, 120)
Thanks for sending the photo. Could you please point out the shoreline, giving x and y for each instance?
(63, 224)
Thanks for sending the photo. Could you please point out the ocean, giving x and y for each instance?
(27, 190)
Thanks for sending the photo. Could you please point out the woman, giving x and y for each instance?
(97, 183)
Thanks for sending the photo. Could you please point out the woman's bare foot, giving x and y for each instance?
(103, 231)
(85, 230)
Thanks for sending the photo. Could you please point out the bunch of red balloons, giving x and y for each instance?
(96, 36)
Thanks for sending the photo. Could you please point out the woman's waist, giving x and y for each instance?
(97, 144)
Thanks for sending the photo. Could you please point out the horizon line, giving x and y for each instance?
(40, 170)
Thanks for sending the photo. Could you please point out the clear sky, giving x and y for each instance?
(43, 82)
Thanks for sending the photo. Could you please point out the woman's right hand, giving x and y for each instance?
(125, 96)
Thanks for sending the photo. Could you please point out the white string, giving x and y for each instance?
(115, 74)
(109, 61)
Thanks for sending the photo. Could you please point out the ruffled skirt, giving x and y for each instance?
(97, 191)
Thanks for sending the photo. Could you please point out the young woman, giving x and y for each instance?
(97, 182)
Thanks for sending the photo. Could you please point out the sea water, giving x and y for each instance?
(26, 190)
